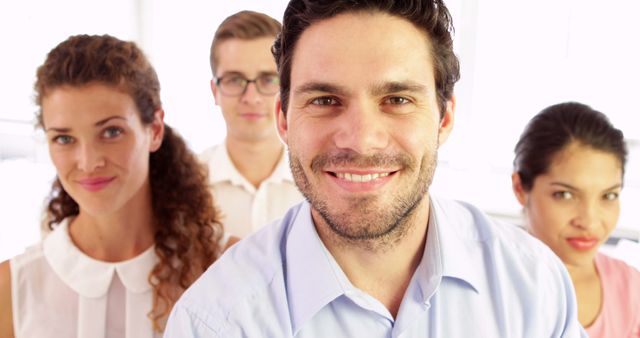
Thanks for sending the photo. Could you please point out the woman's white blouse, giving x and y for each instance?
(58, 291)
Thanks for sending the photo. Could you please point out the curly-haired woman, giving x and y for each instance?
(132, 218)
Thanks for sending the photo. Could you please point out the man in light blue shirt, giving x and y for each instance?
(366, 101)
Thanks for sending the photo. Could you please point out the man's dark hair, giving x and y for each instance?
(430, 16)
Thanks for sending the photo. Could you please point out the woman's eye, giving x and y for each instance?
(112, 132)
(610, 196)
(563, 195)
(63, 139)
(324, 101)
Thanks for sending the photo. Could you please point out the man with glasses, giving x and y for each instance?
(249, 174)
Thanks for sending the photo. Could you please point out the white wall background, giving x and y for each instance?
(518, 56)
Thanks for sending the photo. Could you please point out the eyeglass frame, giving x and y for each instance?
(247, 82)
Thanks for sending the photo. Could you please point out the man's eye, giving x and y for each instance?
(63, 139)
(324, 101)
(234, 81)
(112, 132)
(397, 100)
(269, 80)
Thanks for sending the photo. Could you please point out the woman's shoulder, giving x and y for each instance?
(5, 273)
(614, 267)
(33, 261)
(621, 286)
(6, 318)
(5, 278)
(620, 278)
(30, 254)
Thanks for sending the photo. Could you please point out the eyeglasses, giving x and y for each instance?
(236, 85)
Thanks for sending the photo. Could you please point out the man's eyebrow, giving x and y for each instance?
(239, 73)
(382, 89)
(320, 87)
(230, 72)
(396, 87)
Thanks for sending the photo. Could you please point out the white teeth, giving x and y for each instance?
(360, 178)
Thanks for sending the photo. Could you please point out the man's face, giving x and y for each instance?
(249, 116)
(363, 126)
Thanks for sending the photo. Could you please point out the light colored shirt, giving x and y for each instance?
(58, 291)
(245, 208)
(620, 312)
(477, 278)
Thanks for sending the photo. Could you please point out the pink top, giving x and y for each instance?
(620, 313)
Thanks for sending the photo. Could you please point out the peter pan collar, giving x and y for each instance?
(90, 277)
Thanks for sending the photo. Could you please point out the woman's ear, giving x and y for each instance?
(157, 130)
(518, 190)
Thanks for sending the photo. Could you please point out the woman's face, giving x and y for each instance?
(574, 206)
(99, 146)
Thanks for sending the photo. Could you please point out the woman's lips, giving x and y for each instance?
(95, 183)
(583, 243)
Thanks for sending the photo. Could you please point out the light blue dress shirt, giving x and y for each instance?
(477, 278)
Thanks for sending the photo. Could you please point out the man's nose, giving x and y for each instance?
(361, 127)
(251, 95)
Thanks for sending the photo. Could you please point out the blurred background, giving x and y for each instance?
(517, 57)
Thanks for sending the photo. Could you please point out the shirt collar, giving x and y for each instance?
(222, 169)
(90, 277)
(311, 280)
(459, 241)
(452, 251)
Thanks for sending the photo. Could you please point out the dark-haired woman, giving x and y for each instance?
(132, 218)
(568, 174)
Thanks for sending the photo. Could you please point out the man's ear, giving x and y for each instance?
(157, 130)
(518, 190)
(281, 121)
(214, 91)
(446, 122)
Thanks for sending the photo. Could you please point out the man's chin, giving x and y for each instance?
(358, 225)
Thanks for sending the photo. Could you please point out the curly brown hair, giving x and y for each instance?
(188, 229)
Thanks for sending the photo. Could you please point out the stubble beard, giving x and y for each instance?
(364, 222)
